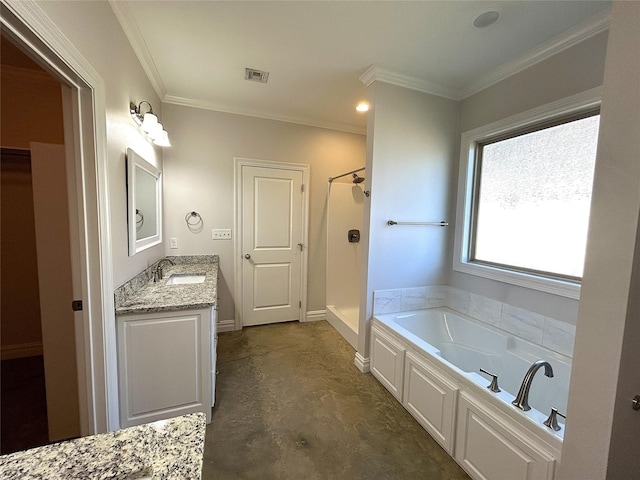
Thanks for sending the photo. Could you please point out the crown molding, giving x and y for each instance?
(187, 102)
(593, 26)
(136, 40)
(376, 73)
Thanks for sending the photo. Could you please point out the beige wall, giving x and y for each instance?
(27, 94)
(410, 159)
(94, 30)
(31, 101)
(199, 175)
(572, 71)
(20, 329)
(602, 429)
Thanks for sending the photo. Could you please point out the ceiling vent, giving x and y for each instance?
(256, 75)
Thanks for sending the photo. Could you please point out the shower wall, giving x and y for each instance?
(345, 212)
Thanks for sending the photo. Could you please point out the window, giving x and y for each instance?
(527, 195)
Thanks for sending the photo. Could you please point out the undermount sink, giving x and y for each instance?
(186, 279)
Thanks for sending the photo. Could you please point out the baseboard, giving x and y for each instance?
(226, 326)
(316, 315)
(361, 363)
(21, 350)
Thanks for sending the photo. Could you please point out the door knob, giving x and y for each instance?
(247, 256)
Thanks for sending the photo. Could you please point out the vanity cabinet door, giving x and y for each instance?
(431, 399)
(164, 365)
(490, 447)
(387, 361)
(214, 352)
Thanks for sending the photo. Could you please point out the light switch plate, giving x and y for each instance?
(221, 234)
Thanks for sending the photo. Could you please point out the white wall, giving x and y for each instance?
(601, 440)
(199, 171)
(410, 158)
(574, 70)
(344, 258)
(94, 30)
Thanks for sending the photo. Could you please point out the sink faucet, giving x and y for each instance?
(157, 273)
(522, 399)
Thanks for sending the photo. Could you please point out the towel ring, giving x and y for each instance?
(189, 217)
(139, 218)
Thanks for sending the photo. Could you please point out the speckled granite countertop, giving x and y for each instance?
(142, 295)
(167, 449)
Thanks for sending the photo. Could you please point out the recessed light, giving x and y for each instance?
(362, 107)
(485, 19)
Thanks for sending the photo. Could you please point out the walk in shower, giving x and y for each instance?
(345, 201)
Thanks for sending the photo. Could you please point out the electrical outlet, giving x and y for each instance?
(221, 234)
(173, 242)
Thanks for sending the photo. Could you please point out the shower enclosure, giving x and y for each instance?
(345, 200)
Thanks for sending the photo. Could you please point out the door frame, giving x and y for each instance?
(239, 163)
(84, 111)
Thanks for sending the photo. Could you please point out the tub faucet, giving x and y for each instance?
(522, 399)
(157, 273)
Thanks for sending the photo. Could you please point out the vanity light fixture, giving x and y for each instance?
(149, 123)
(362, 107)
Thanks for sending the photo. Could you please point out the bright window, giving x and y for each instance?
(534, 195)
(526, 200)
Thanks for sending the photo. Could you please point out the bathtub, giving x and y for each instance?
(455, 347)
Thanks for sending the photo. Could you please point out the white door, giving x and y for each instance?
(272, 244)
(55, 278)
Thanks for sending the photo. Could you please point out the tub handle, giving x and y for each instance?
(552, 421)
(493, 386)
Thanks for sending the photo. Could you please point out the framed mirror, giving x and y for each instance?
(144, 203)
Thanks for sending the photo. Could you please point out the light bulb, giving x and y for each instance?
(149, 122)
(162, 139)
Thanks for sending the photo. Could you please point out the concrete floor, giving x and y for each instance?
(291, 405)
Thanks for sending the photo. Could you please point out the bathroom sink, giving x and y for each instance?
(186, 279)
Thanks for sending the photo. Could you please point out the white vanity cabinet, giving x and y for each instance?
(430, 398)
(387, 361)
(165, 364)
(490, 447)
(214, 352)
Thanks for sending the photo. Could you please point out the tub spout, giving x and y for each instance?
(522, 399)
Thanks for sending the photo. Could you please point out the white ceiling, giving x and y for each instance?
(195, 53)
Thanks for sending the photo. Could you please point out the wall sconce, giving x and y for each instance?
(149, 124)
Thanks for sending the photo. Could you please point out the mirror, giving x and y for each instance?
(144, 203)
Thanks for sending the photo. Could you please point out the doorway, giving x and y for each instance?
(272, 206)
(84, 113)
(38, 341)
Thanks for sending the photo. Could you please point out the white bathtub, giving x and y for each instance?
(462, 345)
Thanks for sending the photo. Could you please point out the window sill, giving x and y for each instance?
(549, 285)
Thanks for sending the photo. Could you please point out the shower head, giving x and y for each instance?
(357, 179)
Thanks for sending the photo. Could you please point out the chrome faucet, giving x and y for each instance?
(522, 399)
(157, 273)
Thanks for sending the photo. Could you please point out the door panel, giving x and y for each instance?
(55, 278)
(273, 201)
(272, 230)
(272, 285)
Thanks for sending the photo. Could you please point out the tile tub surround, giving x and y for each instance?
(168, 449)
(538, 329)
(142, 295)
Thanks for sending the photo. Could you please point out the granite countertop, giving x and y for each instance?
(167, 449)
(142, 295)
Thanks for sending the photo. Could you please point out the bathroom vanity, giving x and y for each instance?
(166, 340)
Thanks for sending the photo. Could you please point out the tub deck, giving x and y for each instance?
(465, 345)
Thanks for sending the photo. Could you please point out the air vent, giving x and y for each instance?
(256, 75)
